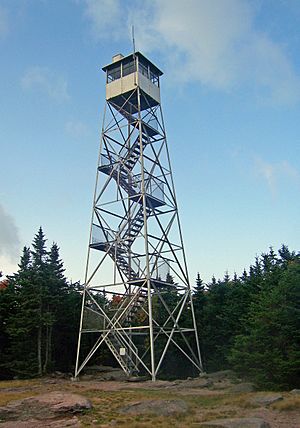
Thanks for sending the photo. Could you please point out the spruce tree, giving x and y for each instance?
(61, 333)
(199, 302)
(24, 322)
(7, 309)
(39, 252)
(30, 327)
(268, 350)
(41, 280)
(39, 315)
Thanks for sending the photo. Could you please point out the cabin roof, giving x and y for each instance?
(140, 56)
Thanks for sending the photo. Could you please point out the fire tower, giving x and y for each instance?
(136, 258)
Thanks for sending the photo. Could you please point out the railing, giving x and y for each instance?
(106, 160)
(107, 236)
(160, 270)
(153, 186)
(101, 235)
(149, 73)
(153, 123)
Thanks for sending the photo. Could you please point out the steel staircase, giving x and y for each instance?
(129, 306)
(137, 305)
(122, 175)
(114, 343)
(133, 154)
(135, 226)
(147, 127)
(117, 254)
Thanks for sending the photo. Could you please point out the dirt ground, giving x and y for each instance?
(205, 400)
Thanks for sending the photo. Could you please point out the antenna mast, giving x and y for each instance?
(133, 40)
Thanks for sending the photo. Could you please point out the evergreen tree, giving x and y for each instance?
(53, 293)
(199, 302)
(286, 255)
(65, 306)
(7, 309)
(199, 284)
(39, 253)
(244, 276)
(25, 261)
(43, 294)
(24, 322)
(213, 333)
(43, 322)
(55, 263)
(251, 322)
(269, 350)
(65, 330)
(225, 303)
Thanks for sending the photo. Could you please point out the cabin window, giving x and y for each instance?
(154, 77)
(114, 73)
(128, 67)
(143, 69)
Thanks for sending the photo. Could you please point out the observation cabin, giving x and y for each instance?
(124, 75)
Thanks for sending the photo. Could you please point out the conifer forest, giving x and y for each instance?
(249, 323)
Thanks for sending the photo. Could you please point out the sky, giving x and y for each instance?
(231, 101)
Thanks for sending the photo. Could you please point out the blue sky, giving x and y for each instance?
(231, 101)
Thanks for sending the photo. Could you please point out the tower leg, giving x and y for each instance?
(79, 335)
(152, 354)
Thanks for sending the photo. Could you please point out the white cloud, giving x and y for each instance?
(201, 38)
(289, 170)
(271, 71)
(7, 267)
(273, 173)
(76, 129)
(102, 15)
(268, 172)
(3, 22)
(45, 80)
(9, 237)
(213, 42)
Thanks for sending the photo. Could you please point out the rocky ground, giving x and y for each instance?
(104, 398)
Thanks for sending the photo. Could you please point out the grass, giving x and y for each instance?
(289, 403)
(18, 383)
(201, 408)
(6, 397)
(17, 389)
(106, 409)
(106, 404)
(243, 400)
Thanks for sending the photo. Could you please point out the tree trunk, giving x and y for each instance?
(46, 350)
(39, 351)
(48, 346)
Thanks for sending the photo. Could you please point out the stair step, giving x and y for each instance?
(125, 361)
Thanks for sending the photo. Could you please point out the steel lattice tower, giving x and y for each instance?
(136, 251)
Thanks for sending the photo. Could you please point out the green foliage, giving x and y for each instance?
(199, 303)
(39, 314)
(269, 350)
(164, 303)
(252, 323)
(7, 308)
